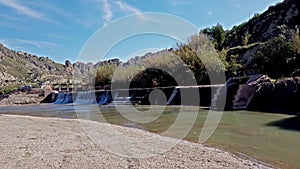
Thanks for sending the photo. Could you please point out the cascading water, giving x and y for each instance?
(175, 97)
(85, 98)
(63, 98)
(105, 98)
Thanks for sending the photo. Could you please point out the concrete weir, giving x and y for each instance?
(172, 94)
(234, 94)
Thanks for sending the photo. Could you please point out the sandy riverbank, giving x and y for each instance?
(33, 142)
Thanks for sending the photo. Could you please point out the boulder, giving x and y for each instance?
(281, 96)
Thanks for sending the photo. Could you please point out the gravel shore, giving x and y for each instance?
(33, 142)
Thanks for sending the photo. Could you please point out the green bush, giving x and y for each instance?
(104, 74)
(276, 58)
(217, 33)
(7, 90)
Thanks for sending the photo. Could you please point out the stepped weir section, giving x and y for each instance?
(143, 96)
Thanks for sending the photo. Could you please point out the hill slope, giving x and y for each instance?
(280, 19)
(262, 38)
(23, 67)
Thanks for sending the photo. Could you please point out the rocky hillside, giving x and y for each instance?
(23, 67)
(244, 47)
(20, 68)
(269, 43)
(281, 19)
(81, 72)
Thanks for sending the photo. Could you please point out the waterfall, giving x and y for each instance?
(104, 98)
(175, 97)
(85, 98)
(219, 98)
(63, 98)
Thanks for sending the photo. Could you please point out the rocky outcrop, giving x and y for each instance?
(246, 92)
(281, 96)
(69, 69)
(81, 68)
(80, 73)
(243, 97)
(115, 61)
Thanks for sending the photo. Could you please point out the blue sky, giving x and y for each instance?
(58, 29)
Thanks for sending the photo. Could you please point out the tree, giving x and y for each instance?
(232, 66)
(201, 58)
(276, 58)
(217, 34)
(104, 74)
(246, 39)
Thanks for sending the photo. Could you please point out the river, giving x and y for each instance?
(271, 138)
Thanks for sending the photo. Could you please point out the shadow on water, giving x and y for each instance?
(292, 123)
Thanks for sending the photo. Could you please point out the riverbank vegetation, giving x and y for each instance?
(268, 43)
(276, 57)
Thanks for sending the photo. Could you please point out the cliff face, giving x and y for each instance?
(269, 43)
(82, 70)
(277, 20)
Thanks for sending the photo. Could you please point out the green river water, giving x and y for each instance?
(270, 138)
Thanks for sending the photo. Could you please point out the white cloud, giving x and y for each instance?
(127, 8)
(106, 8)
(22, 9)
(35, 43)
